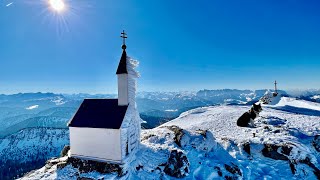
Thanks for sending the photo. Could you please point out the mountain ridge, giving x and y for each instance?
(205, 143)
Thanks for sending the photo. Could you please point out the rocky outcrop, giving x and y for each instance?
(218, 169)
(233, 169)
(178, 134)
(246, 147)
(271, 151)
(177, 165)
(282, 152)
(308, 162)
(268, 97)
(316, 142)
(65, 151)
(202, 132)
(85, 166)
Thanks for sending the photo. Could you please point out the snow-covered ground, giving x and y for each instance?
(221, 120)
(287, 101)
(32, 107)
(290, 104)
(316, 97)
(279, 147)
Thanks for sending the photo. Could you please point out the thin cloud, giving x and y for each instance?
(9, 4)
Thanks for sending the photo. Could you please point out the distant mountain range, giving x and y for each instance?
(33, 125)
(25, 110)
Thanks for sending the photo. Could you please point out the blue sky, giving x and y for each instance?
(181, 45)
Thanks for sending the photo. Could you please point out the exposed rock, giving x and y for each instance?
(54, 161)
(230, 177)
(316, 142)
(277, 131)
(218, 170)
(147, 137)
(178, 134)
(62, 165)
(246, 148)
(65, 151)
(267, 128)
(286, 150)
(308, 162)
(271, 151)
(233, 169)
(202, 132)
(85, 166)
(49, 164)
(292, 167)
(139, 167)
(84, 178)
(177, 165)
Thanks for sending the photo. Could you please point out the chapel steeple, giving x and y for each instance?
(122, 68)
(122, 73)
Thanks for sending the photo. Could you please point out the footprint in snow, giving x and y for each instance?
(274, 121)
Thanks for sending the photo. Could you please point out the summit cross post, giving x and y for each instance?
(124, 36)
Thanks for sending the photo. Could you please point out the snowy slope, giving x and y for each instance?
(287, 101)
(29, 149)
(315, 97)
(209, 145)
(290, 104)
(221, 120)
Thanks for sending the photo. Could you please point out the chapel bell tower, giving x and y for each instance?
(122, 73)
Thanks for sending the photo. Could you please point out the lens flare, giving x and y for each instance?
(57, 5)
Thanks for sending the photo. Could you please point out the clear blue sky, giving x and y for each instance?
(181, 45)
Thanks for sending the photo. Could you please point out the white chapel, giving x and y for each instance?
(108, 130)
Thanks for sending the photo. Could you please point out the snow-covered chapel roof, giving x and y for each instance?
(99, 113)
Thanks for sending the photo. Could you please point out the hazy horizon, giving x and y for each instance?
(178, 91)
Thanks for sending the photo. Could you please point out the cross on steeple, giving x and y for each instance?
(124, 36)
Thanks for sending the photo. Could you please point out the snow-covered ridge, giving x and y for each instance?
(316, 97)
(287, 101)
(206, 143)
(290, 104)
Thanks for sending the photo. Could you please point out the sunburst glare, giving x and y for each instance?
(57, 5)
(63, 16)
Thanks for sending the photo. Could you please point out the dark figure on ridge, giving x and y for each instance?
(246, 120)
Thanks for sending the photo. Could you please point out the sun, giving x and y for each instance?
(57, 5)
